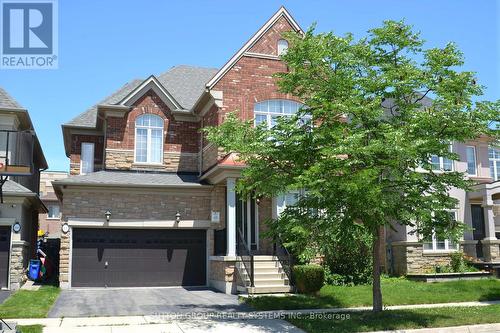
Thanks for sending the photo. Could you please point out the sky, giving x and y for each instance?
(104, 44)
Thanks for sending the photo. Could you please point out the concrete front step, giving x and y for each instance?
(266, 289)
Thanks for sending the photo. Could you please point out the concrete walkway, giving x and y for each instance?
(486, 328)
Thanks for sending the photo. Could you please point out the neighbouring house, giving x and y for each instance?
(478, 208)
(50, 222)
(21, 159)
(149, 202)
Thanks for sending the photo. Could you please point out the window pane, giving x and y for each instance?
(471, 160)
(428, 246)
(87, 158)
(440, 244)
(262, 107)
(435, 162)
(260, 118)
(274, 120)
(141, 145)
(156, 138)
(53, 211)
(447, 164)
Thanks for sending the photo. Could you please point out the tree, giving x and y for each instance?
(361, 149)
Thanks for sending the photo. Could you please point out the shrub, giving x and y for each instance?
(457, 262)
(308, 278)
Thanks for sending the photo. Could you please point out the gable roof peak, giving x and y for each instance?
(282, 12)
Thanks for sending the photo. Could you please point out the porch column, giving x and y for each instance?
(231, 217)
(489, 218)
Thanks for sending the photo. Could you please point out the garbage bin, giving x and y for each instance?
(34, 269)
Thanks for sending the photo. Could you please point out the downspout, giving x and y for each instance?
(105, 127)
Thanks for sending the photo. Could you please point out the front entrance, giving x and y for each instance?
(138, 258)
(478, 233)
(247, 225)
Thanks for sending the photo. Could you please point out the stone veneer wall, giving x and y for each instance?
(491, 250)
(172, 161)
(18, 264)
(409, 257)
(223, 275)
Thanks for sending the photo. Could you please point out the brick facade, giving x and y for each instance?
(76, 150)
(181, 139)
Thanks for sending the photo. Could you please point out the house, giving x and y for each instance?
(50, 222)
(478, 208)
(21, 159)
(149, 202)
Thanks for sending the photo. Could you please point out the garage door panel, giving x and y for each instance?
(139, 257)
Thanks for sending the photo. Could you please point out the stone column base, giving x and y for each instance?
(491, 250)
(222, 274)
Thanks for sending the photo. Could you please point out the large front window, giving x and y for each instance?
(494, 156)
(148, 139)
(435, 243)
(269, 111)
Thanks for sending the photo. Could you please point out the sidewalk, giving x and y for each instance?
(257, 321)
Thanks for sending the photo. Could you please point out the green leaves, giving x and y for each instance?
(365, 162)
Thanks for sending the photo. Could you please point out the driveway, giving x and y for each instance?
(142, 301)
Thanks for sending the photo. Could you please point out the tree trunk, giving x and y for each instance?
(377, 291)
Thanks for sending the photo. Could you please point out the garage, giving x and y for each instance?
(138, 258)
(4, 255)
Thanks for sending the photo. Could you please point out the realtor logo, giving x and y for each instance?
(29, 34)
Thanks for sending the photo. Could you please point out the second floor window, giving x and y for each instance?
(54, 212)
(269, 111)
(148, 139)
(439, 163)
(494, 157)
(471, 160)
(87, 158)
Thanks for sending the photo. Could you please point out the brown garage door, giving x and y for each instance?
(4, 255)
(138, 258)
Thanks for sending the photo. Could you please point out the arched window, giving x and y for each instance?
(282, 46)
(269, 111)
(148, 139)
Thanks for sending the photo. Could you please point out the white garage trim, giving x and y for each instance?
(153, 224)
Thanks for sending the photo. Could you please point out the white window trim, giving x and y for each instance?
(148, 143)
(447, 248)
(496, 170)
(467, 161)
(269, 114)
(92, 157)
(283, 51)
(441, 163)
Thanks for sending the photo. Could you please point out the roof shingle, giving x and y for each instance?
(6, 101)
(132, 179)
(184, 83)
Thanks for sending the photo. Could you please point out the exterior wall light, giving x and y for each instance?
(16, 227)
(107, 215)
(177, 217)
(65, 228)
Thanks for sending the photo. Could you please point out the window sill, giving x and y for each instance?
(53, 218)
(430, 253)
(148, 165)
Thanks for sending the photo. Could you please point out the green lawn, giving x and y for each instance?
(29, 304)
(30, 329)
(396, 291)
(401, 319)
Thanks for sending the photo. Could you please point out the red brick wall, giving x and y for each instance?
(179, 136)
(76, 147)
(268, 43)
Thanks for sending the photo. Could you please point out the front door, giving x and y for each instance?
(478, 233)
(4, 255)
(247, 222)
